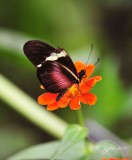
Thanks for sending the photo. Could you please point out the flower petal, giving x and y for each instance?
(88, 98)
(98, 78)
(63, 102)
(87, 86)
(53, 106)
(74, 104)
(79, 66)
(47, 98)
(89, 70)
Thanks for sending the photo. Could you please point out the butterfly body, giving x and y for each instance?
(55, 69)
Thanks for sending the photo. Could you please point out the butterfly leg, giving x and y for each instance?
(61, 94)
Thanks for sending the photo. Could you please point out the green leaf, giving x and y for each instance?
(73, 135)
(44, 151)
(106, 149)
(69, 148)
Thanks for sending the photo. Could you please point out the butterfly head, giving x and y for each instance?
(82, 74)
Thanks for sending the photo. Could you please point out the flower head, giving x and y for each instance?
(75, 94)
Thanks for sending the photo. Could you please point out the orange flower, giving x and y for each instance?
(74, 95)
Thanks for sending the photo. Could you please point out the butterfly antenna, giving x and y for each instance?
(96, 61)
(89, 55)
(82, 93)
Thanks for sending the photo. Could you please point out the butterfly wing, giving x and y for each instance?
(55, 69)
(54, 77)
(37, 51)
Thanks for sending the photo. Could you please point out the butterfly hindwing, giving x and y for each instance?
(54, 77)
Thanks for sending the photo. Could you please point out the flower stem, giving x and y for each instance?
(81, 122)
(80, 117)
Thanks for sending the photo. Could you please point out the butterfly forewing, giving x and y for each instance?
(37, 51)
(66, 61)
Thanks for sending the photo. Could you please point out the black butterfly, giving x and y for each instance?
(55, 69)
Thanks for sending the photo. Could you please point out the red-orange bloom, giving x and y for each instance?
(74, 95)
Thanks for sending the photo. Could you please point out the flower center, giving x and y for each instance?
(73, 91)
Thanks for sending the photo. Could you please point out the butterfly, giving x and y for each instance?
(55, 69)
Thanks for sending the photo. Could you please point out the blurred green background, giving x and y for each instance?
(73, 25)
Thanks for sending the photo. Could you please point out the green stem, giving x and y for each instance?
(80, 117)
(25, 105)
(81, 122)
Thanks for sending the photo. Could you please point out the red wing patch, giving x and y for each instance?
(54, 77)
